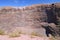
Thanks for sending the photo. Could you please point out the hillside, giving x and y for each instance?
(29, 16)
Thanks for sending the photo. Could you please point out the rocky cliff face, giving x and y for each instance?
(26, 17)
(30, 16)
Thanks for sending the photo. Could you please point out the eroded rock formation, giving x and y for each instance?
(30, 16)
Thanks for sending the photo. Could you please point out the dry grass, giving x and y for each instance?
(35, 34)
(15, 34)
(2, 32)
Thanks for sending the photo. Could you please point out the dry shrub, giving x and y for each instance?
(2, 32)
(15, 34)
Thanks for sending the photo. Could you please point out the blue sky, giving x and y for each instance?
(25, 2)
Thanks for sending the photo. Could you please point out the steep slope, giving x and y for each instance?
(30, 16)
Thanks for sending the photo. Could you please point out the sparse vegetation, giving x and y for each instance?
(2, 32)
(34, 34)
(15, 34)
